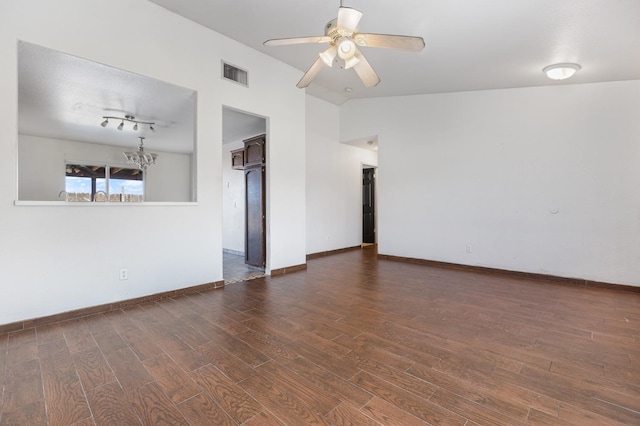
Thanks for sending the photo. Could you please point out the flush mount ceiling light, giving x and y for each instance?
(127, 118)
(140, 158)
(561, 71)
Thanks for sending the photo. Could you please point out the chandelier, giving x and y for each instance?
(140, 158)
(129, 119)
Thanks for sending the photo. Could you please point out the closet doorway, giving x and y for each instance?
(368, 206)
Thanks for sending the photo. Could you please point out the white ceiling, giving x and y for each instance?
(470, 44)
(238, 125)
(65, 97)
(61, 96)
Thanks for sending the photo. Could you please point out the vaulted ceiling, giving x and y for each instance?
(470, 45)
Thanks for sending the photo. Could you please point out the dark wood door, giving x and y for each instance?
(368, 206)
(255, 236)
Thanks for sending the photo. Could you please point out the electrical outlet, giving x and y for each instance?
(469, 250)
(124, 274)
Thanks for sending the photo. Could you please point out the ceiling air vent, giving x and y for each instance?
(233, 73)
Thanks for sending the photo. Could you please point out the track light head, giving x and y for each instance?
(130, 119)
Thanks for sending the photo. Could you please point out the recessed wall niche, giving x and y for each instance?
(62, 102)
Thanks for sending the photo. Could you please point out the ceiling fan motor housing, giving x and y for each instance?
(331, 30)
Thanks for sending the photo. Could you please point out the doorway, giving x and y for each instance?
(244, 197)
(368, 206)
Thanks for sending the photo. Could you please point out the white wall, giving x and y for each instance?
(334, 181)
(41, 169)
(233, 204)
(170, 178)
(59, 258)
(541, 180)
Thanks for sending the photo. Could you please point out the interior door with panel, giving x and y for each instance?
(368, 206)
(255, 238)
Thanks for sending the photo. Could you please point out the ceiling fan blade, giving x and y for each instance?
(387, 41)
(311, 73)
(348, 20)
(365, 71)
(297, 40)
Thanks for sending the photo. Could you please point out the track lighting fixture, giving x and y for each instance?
(130, 119)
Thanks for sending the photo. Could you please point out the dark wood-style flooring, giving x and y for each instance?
(350, 341)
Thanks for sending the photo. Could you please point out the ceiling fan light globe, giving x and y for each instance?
(346, 48)
(348, 20)
(329, 55)
(351, 62)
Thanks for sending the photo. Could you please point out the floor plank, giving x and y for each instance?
(202, 410)
(419, 406)
(64, 397)
(229, 396)
(347, 415)
(175, 383)
(110, 406)
(154, 408)
(22, 385)
(92, 368)
(285, 406)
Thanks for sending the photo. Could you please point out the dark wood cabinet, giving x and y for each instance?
(237, 159)
(254, 151)
(252, 159)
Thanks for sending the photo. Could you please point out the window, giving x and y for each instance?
(86, 183)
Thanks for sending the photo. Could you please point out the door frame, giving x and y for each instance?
(252, 132)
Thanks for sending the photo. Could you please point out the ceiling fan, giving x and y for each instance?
(343, 38)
